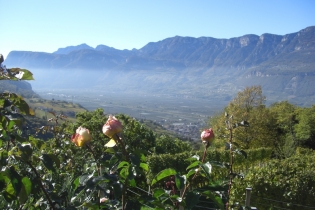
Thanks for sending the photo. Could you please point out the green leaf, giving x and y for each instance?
(38, 143)
(85, 178)
(207, 169)
(227, 146)
(158, 192)
(15, 180)
(26, 75)
(113, 160)
(3, 158)
(49, 160)
(76, 183)
(20, 103)
(235, 144)
(117, 190)
(243, 153)
(144, 166)
(9, 193)
(132, 183)
(244, 123)
(94, 181)
(14, 121)
(135, 160)
(124, 172)
(132, 172)
(19, 138)
(26, 189)
(141, 154)
(180, 181)
(192, 198)
(191, 172)
(122, 164)
(195, 157)
(26, 151)
(2, 180)
(110, 150)
(214, 197)
(6, 103)
(194, 164)
(214, 187)
(217, 163)
(164, 173)
(235, 125)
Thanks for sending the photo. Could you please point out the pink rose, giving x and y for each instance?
(81, 137)
(103, 200)
(112, 127)
(207, 135)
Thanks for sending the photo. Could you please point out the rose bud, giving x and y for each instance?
(207, 135)
(112, 127)
(81, 137)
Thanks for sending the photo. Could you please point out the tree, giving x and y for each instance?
(249, 98)
(305, 128)
(284, 120)
(247, 107)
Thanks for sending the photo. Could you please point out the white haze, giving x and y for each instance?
(140, 94)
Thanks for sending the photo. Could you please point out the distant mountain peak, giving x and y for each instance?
(67, 50)
(281, 64)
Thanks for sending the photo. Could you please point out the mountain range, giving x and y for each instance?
(284, 65)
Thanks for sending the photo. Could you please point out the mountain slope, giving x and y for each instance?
(283, 65)
(204, 52)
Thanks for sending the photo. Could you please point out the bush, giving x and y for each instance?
(280, 183)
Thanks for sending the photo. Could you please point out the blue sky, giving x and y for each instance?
(46, 25)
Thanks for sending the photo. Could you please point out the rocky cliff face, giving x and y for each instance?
(182, 52)
(69, 49)
(279, 63)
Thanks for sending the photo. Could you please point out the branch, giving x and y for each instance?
(203, 159)
(41, 185)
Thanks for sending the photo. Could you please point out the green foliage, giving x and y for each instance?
(218, 158)
(162, 174)
(138, 136)
(247, 106)
(282, 126)
(16, 74)
(290, 182)
(294, 127)
(166, 144)
(305, 128)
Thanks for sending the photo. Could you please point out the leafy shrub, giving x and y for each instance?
(287, 183)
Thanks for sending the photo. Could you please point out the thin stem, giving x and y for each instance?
(41, 185)
(124, 190)
(8, 145)
(122, 146)
(231, 167)
(95, 158)
(98, 171)
(203, 159)
(12, 141)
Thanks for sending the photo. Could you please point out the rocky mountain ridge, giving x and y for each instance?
(180, 52)
(191, 64)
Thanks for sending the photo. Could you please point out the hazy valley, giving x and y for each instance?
(176, 81)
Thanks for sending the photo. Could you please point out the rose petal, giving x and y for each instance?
(111, 143)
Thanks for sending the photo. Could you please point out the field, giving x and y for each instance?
(183, 115)
(44, 108)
